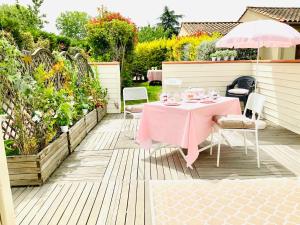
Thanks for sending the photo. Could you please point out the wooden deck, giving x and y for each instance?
(105, 181)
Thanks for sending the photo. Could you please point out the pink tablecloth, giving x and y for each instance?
(154, 75)
(186, 125)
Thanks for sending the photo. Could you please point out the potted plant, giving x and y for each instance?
(232, 54)
(213, 56)
(85, 108)
(226, 54)
(219, 55)
(64, 116)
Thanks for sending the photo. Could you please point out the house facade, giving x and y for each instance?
(288, 15)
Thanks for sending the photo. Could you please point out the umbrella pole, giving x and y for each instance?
(257, 61)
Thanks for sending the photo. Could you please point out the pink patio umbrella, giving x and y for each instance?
(260, 33)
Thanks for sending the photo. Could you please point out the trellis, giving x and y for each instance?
(29, 63)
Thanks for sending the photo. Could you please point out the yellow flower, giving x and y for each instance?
(27, 59)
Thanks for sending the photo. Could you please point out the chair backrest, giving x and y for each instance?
(135, 93)
(245, 82)
(255, 103)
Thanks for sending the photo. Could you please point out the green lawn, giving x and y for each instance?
(153, 93)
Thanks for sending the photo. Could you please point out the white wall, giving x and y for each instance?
(205, 75)
(279, 82)
(109, 76)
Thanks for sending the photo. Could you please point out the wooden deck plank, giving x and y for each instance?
(106, 179)
(89, 204)
(47, 204)
(171, 164)
(80, 204)
(35, 205)
(100, 195)
(159, 166)
(62, 207)
(22, 204)
(72, 204)
(115, 200)
(55, 205)
(108, 196)
(122, 207)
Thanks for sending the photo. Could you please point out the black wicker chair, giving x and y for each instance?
(244, 82)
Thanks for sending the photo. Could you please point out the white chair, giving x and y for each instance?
(255, 104)
(134, 94)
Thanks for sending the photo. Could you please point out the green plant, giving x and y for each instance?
(213, 55)
(246, 54)
(232, 53)
(149, 33)
(73, 24)
(112, 38)
(10, 148)
(169, 21)
(219, 54)
(64, 114)
(205, 49)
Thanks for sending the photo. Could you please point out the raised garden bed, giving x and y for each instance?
(91, 120)
(101, 113)
(36, 169)
(25, 170)
(76, 134)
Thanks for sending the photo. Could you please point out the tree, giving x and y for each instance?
(169, 21)
(73, 24)
(16, 20)
(112, 37)
(149, 33)
(35, 10)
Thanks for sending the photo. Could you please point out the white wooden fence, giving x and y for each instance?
(109, 76)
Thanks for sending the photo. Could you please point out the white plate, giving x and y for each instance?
(191, 101)
(171, 103)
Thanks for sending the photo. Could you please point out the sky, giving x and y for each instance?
(144, 12)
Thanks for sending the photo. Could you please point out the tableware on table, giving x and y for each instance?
(164, 97)
(208, 101)
(172, 103)
(213, 94)
(191, 100)
(198, 92)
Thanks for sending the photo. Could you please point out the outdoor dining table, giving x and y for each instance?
(154, 75)
(186, 125)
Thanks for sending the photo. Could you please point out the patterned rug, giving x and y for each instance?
(256, 201)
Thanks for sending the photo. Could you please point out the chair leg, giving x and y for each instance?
(257, 149)
(245, 142)
(219, 149)
(211, 140)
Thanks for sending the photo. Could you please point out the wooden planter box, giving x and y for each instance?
(27, 170)
(76, 134)
(91, 120)
(101, 112)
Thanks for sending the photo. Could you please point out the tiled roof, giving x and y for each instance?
(208, 27)
(283, 14)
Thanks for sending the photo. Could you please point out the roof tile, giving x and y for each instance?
(208, 27)
(283, 14)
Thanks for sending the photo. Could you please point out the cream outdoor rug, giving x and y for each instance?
(258, 201)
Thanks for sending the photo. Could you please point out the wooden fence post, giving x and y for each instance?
(7, 213)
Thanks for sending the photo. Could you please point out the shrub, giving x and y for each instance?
(112, 38)
(205, 49)
(152, 54)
